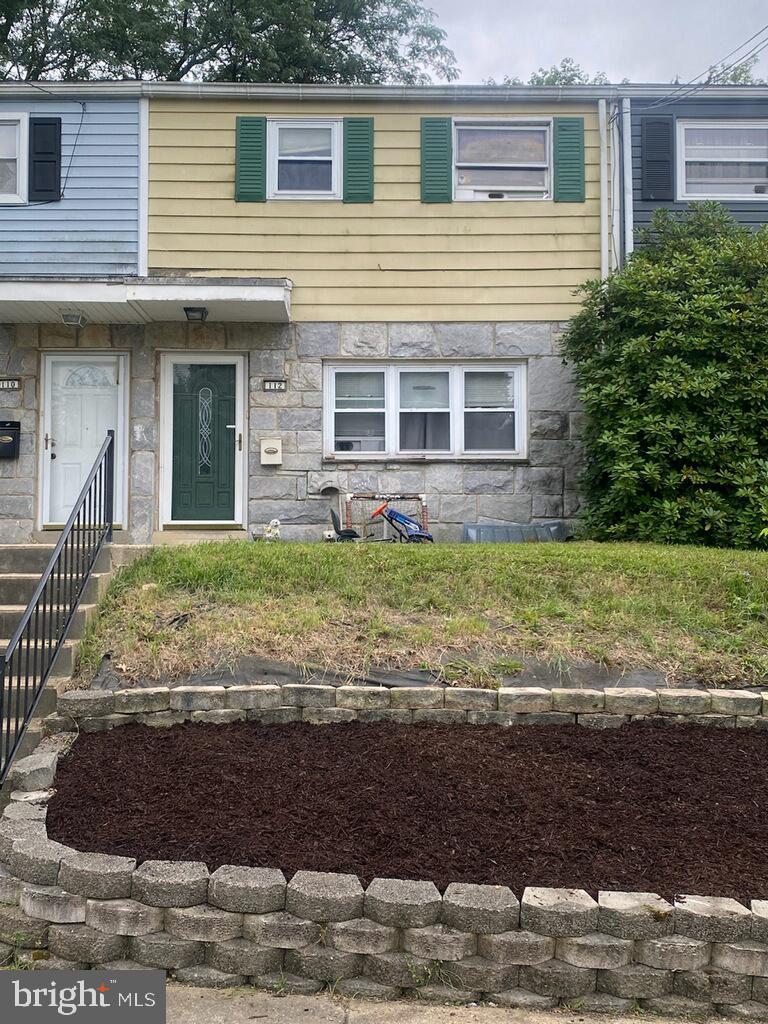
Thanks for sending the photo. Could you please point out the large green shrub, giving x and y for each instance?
(671, 360)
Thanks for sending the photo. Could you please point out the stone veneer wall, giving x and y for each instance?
(241, 925)
(543, 487)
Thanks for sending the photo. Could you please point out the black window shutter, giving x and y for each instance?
(657, 142)
(44, 159)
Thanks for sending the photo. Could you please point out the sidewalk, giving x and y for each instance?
(243, 1006)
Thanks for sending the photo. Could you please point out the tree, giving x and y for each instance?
(567, 72)
(671, 361)
(735, 74)
(362, 41)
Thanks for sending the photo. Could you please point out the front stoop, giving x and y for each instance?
(21, 566)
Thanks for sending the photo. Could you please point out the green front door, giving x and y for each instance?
(204, 441)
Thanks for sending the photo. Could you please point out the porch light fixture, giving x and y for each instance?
(74, 319)
(196, 314)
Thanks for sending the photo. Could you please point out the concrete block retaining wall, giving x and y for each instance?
(270, 704)
(240, 925)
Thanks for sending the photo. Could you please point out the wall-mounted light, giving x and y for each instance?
(74, 319)
(196, 314)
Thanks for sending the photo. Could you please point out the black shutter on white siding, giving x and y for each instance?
(44, 159)
(657, 141)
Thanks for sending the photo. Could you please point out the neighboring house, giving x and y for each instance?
(694, 145)
(277, 295)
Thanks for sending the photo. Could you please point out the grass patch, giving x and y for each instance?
(467, 612)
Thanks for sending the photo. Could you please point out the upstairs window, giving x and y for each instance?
(502, 160)
(304, 159)
(722, 159)
(13, 158)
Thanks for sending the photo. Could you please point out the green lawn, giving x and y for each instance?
(464, 610)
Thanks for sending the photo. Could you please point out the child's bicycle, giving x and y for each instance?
(408, 530)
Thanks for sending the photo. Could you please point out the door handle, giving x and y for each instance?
(233, 426)
(50, 442)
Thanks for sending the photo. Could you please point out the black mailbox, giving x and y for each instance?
(10, 431)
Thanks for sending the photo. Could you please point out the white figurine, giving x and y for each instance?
(272, 530)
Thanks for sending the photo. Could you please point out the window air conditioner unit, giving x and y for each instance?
(359, 444)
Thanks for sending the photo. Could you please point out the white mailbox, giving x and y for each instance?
(271, 451)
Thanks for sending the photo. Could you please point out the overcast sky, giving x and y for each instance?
(643, 40)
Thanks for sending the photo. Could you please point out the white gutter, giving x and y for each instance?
(626, 150)
(449, 93)
(603, 122)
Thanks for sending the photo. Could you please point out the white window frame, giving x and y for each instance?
(392, 449)
(22, 166)
(517, 193)
(273, 127)
(680, 125)
(398, 410)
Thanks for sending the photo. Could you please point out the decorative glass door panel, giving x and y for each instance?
(204, 442)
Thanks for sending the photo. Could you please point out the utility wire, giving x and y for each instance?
(739, 60)
(693, 87)
(688, 89)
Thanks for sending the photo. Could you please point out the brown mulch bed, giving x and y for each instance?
(663, 809)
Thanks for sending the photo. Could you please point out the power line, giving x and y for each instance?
(693, 86)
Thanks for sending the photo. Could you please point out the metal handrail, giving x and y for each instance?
(43, 627)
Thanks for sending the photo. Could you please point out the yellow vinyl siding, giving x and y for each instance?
(394, 259)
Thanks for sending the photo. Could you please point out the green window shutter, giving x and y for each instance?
(358, 159)
(436, 160)
(569, 160)
(251, 160)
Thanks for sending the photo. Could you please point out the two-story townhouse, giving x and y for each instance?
(278, 295)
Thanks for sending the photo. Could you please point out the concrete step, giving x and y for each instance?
(46, 705)
(18, 587)
(30, 740)
(33, 558)
(24, 557)
(10, 614)
(65, 661)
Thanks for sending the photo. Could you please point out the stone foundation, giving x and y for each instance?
(299, 492)
(60, 908)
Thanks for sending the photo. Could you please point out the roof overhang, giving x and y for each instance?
(145, 300)
(265, 91)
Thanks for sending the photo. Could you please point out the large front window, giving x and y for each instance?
(13, 158)
(304, 159)
(501, 160)
(722, 159)
(415, 410)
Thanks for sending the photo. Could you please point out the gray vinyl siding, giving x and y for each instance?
(93, 230)
(754, 212)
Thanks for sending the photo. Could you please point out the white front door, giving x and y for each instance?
(84, 397)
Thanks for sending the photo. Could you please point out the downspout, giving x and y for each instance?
(626, 149)
(604, 222)
(615, 257)
(143, 211)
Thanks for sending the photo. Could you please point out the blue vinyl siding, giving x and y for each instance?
(94, 229)
(754, 212)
